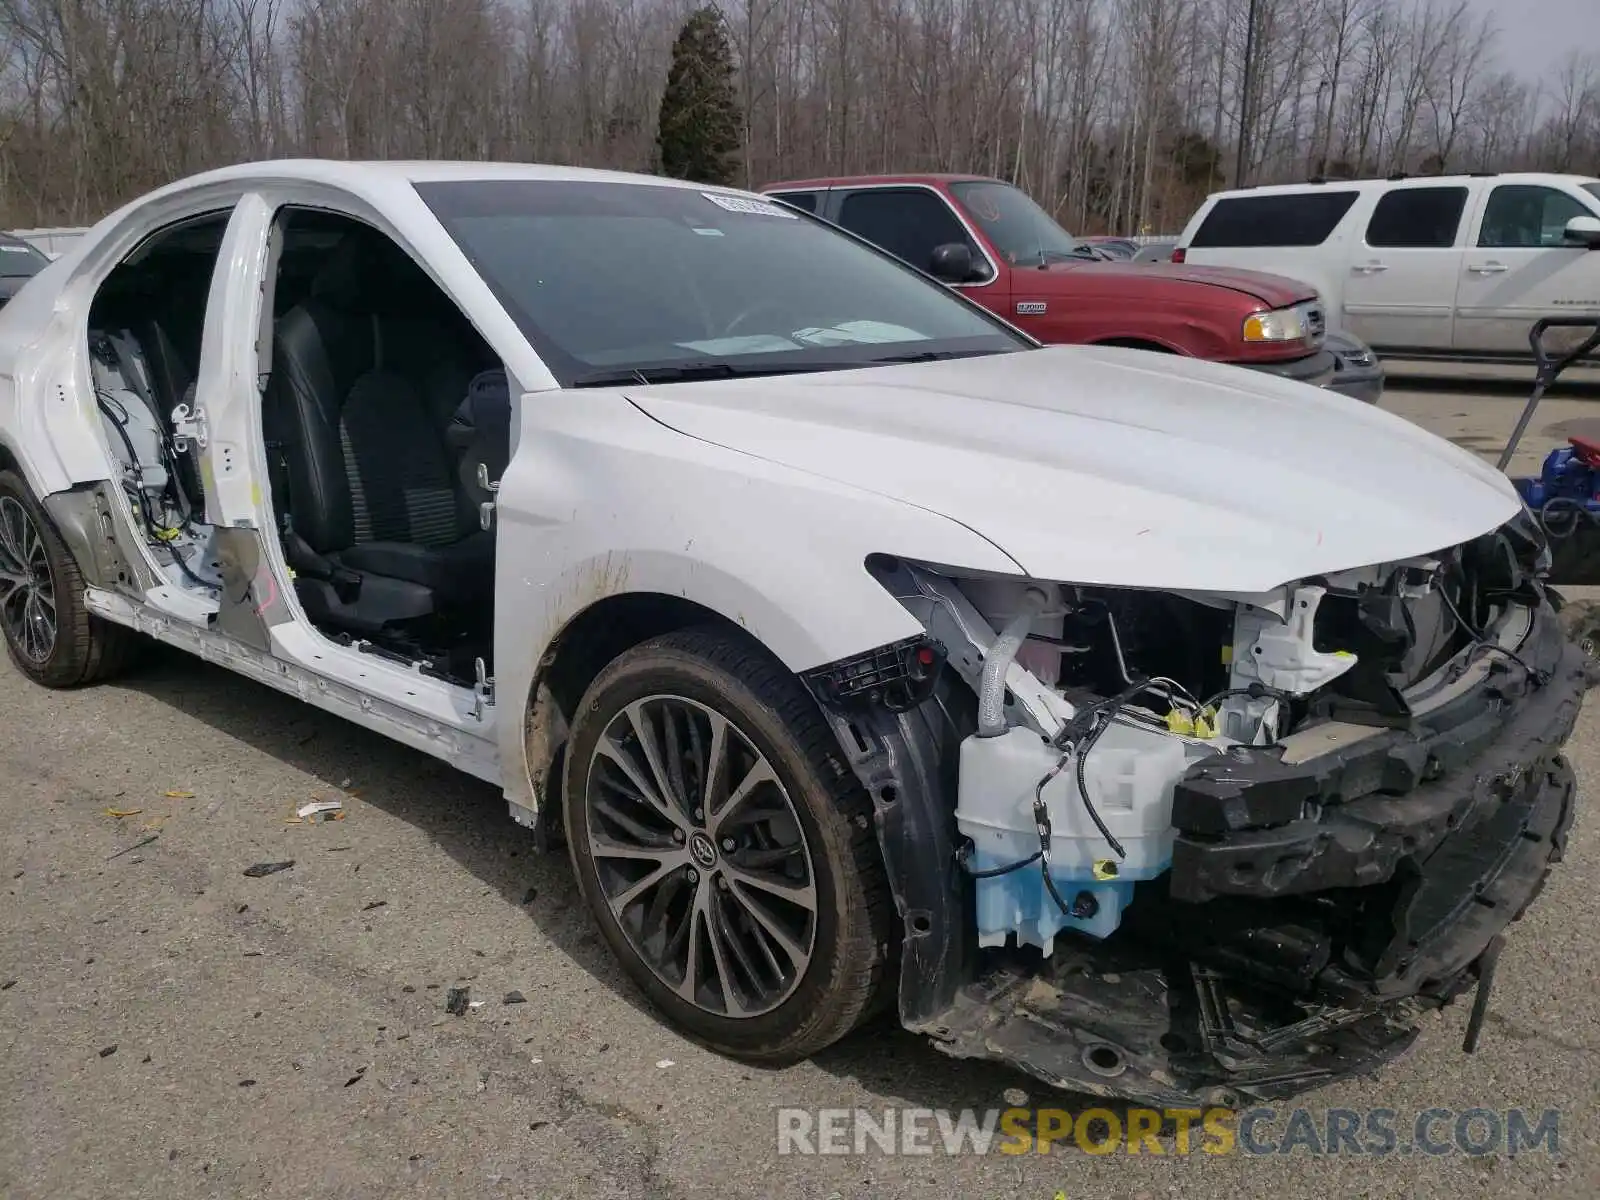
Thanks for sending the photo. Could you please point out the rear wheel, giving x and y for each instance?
(50, 634)
(725, 850)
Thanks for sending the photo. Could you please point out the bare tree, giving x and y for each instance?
(1115, 114)
(1465, 49)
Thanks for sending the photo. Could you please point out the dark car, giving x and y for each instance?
(1119, 249)
(19, 262)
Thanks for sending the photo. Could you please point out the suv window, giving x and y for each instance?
(805, 201)
(1290, 219)
(1528, 214)
(1420, 218)
(907, 222)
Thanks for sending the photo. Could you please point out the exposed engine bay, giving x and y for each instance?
(1214, 846)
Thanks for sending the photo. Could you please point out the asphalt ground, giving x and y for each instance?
(170, 1027)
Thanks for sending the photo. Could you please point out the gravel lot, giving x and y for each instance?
(170, 1027)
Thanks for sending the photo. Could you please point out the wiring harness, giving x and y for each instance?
(166, 532)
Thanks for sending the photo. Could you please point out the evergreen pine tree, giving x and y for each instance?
(699, 124)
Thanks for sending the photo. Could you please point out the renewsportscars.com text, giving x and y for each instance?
(1378, 1132)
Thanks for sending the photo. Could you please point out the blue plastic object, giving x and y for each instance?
(1018, 902)
(1565, 476)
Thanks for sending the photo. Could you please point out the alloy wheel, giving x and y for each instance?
(27, 591)
(701, 856)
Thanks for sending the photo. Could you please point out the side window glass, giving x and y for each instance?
(1289, 219)
(805, 201)
(1526, 215)
(907, 222)
(1417, 218)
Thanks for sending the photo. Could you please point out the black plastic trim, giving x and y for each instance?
(1251, 825)
(1317, 368)
(908, 763)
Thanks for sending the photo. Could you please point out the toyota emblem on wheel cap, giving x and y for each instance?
(702, 850)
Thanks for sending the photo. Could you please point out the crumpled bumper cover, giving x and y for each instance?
(1421, 845)
(1463, 816)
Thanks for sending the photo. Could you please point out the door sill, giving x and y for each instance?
(426, 714)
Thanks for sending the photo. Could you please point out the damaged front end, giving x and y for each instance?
(1196, 848)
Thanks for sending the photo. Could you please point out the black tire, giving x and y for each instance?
(844, 979)
(84, 648)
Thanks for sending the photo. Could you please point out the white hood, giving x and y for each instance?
(1097, 465)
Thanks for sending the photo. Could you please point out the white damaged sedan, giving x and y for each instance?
(1167, 730)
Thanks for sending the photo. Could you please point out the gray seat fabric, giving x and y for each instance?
(400, 479)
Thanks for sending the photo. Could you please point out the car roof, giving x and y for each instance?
(832, 181)
(1306, 187)
(365, 175)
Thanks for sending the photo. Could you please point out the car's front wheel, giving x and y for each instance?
(50, 633)
(725, 850)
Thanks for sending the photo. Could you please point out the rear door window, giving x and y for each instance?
(805, 201)
(1422, 218)
(907, 222)
(1294, 219)
(1528, 215)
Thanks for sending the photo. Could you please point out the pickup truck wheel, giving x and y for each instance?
(50, 634)
(725, 850)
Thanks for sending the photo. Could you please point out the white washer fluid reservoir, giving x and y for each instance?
(1129, 774)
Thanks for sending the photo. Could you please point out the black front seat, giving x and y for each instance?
(379, 533)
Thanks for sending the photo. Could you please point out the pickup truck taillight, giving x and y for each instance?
(1179, 254)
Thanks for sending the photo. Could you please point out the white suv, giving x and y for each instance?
(1449, 265)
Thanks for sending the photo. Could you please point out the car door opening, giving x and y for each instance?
(387, 421)
(144, 333)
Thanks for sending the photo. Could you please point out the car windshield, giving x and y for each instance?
(1022, 231)
(19, 260)
(1593, 189)
(612, 281)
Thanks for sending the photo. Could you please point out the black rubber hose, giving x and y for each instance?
(1083, 787)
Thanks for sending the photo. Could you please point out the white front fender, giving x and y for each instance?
(601, 501)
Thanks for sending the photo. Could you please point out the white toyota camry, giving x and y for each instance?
(1168, 730)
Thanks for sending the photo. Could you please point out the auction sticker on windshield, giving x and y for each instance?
(743, 204)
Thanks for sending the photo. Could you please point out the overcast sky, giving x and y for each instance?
(1536, 34)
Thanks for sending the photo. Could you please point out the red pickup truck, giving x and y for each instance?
(992, 241)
